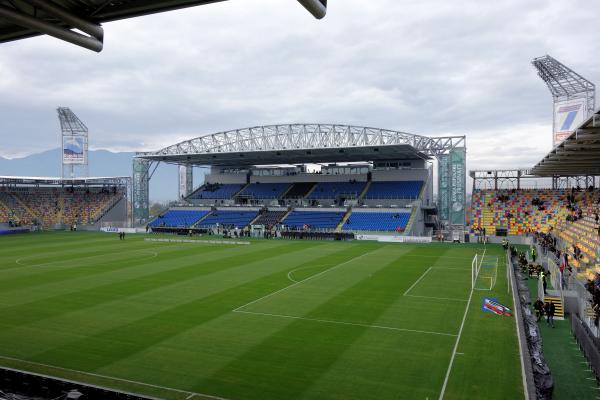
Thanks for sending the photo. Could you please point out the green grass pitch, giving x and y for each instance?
(270, 320)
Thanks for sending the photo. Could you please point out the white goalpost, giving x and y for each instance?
(474, 270)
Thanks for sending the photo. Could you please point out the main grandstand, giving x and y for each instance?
(313, 178)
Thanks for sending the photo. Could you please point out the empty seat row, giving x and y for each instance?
(313, 219)
(377, 221)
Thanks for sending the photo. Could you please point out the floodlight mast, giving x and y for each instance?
(563, 82)
(72, 128)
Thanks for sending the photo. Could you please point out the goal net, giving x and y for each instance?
(484, 272)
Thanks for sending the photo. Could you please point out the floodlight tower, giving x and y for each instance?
(74, 142)
(574, 96)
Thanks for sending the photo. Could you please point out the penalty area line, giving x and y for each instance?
(417, 281)
(328, 321)
(112, 378)
(302, 281)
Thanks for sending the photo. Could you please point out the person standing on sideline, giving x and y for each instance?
(550, 309)
(533, 253)
(538, 306)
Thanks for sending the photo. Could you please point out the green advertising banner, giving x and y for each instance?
(141, 188)
(458, 178)
(451, 186)
(444, 187)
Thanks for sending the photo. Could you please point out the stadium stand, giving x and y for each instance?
(394, 190)
(377, 221)
(333, 190)
(50, 206)
(238, 219)
(519, 211)
(264, 190)
(299, 190)
(313, 219)
(216, 191)
(270, 218)
(178, 218)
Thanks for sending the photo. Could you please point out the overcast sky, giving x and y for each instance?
(432, 67)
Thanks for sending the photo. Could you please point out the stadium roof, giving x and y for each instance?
(21, 19)
(303, 143)
(578, 155)
(37, 180)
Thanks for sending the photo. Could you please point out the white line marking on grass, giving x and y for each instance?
(115, 378)
(462, 325)
(195, 241)
(435, 298)
(19, 261)
(417, 281)
(302, 281)
(190, 396)
(460, 354)
(289, 275)
(328, 321)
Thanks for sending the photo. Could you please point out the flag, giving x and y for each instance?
(492, 305)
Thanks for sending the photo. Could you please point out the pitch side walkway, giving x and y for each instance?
(572, 377)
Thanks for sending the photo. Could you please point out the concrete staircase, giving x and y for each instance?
(343, 221)
(556, 300)
(488, 216)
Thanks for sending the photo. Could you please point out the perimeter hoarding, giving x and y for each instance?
(568, 115)
(74, 148)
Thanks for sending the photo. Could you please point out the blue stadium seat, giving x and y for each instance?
(239, 219)
(216, 191)
(178, 219)
(394, 190)
(333, 190)
(265, 190)
(377, 221)
(313, 219)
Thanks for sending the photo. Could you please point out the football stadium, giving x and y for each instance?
(312, 261)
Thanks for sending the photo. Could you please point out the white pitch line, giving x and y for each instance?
(302, 281)
(328, 321)
(18, 261)
(289, 275)
(115, 378)
(462, 325)
(417, 281)
(435, 298)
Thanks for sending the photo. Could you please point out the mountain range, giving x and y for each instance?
(163, 185)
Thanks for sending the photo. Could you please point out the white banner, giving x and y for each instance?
(74, 149)
(395, 239)
(568, 115)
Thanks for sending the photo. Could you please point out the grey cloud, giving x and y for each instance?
(429, 67)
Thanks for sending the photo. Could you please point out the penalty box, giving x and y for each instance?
(370, 290)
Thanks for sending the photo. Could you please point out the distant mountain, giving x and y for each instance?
(163, 185)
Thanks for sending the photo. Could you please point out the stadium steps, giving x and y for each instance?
(260, 214)
(312, 189)
(365, 190)
(344, 219)
(559, 312)
(410, 223)
(488, 216)
(61, 208)
(289, 189)
(4, 210)
(201, 219)
(241, 190)
(27, 208)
